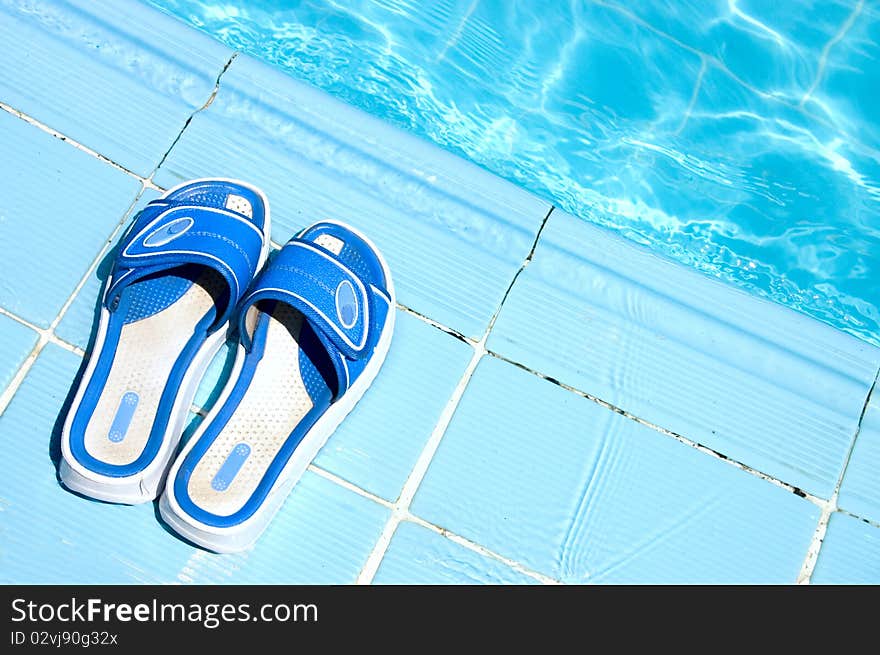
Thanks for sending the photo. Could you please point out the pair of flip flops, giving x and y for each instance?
(313, 326)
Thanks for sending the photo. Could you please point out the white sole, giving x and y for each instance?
(243, 535)
(146, 485)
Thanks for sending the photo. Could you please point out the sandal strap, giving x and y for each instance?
(328, 293)
(164, 237)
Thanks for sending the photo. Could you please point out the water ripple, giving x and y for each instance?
(738, 137)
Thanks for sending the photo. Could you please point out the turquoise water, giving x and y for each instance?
(742, 138)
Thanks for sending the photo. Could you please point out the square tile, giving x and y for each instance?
(582, 494)
(50, 535)
(850, 553)
(58, 206)
(16, 343)
(120, 78)
(860, 489)
(760, 383)
(377, 445)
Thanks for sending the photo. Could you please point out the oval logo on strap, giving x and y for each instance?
(346, 304)
(168, 232)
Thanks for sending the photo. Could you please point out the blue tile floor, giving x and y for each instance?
(559, 405)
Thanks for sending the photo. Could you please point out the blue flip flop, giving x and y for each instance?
(313, 332)
(179, 271)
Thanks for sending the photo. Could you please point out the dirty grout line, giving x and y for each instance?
(435, 324)
(400, 509)
(412, 518)
(812, 556)
(816, 500)
(815, 547)
(76, 144)
(871, 522)
(20, 374)
(408, 516)
(206, 104)
(657, 428)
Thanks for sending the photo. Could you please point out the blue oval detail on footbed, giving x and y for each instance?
(346, 304)
(127, 404)
(234, 461)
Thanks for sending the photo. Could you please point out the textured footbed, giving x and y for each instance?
(275, 402)
(145, 354)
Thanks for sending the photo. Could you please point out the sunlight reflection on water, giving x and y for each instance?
(738, 137)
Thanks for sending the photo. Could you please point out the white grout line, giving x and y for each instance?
(20, 374)
(53, 338)
(405, 515)
(408, 516)
(827, 507)
(400, 509)
(517, 566)
(482, 550)
(76, 144)
(47, 335)
(345, 484)
(812, 556)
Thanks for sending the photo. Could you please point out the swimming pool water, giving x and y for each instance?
(740, 137)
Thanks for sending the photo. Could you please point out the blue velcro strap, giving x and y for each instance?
(163, 238)
(314, 281)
